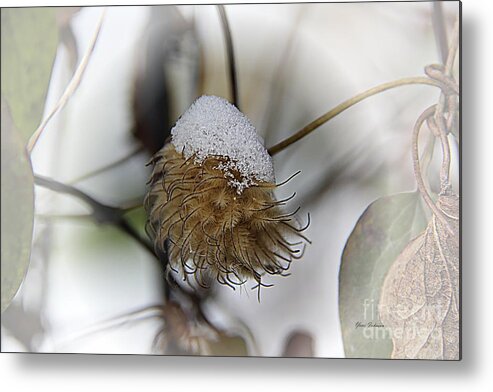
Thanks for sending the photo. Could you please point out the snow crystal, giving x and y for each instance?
(212, 127)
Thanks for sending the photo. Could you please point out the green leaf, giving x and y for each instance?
(29, 42)
(380, 235)
(137, 219)
(17, 209)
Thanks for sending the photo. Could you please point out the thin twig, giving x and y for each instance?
(427, 157)
(230, 55)
(102, 213)
(438, 127)
(115, 322)
(105, 214)
(439, 117)
(453, 47)
(71, 87)
(108, 167)
(428, 113)
(347, 104)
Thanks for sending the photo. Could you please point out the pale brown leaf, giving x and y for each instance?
(420, 295)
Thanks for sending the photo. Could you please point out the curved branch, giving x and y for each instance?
(439, 117)
(428, 113)
(108, 167)
(105, 214)
(102, 213)
(349, 103)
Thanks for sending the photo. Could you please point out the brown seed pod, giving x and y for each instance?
(212, 219)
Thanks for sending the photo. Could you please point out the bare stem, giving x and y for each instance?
(105, 214)
(349, 103)
(101, 213)
(230, 55)
(439, 118)
(428, 113)
(108, 167)
(453, 47)
(70, 89)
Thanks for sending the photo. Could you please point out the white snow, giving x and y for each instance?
(212, 127)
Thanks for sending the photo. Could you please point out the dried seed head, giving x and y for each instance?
(214, 127)
(211, 205)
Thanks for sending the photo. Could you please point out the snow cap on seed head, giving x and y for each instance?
(212, 127)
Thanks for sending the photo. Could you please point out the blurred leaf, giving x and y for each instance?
(29, 43)
(380, 234)
(420, 296)
(17, 209)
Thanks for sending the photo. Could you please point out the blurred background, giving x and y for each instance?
(295, 62)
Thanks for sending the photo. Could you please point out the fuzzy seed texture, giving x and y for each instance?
(210, 202)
